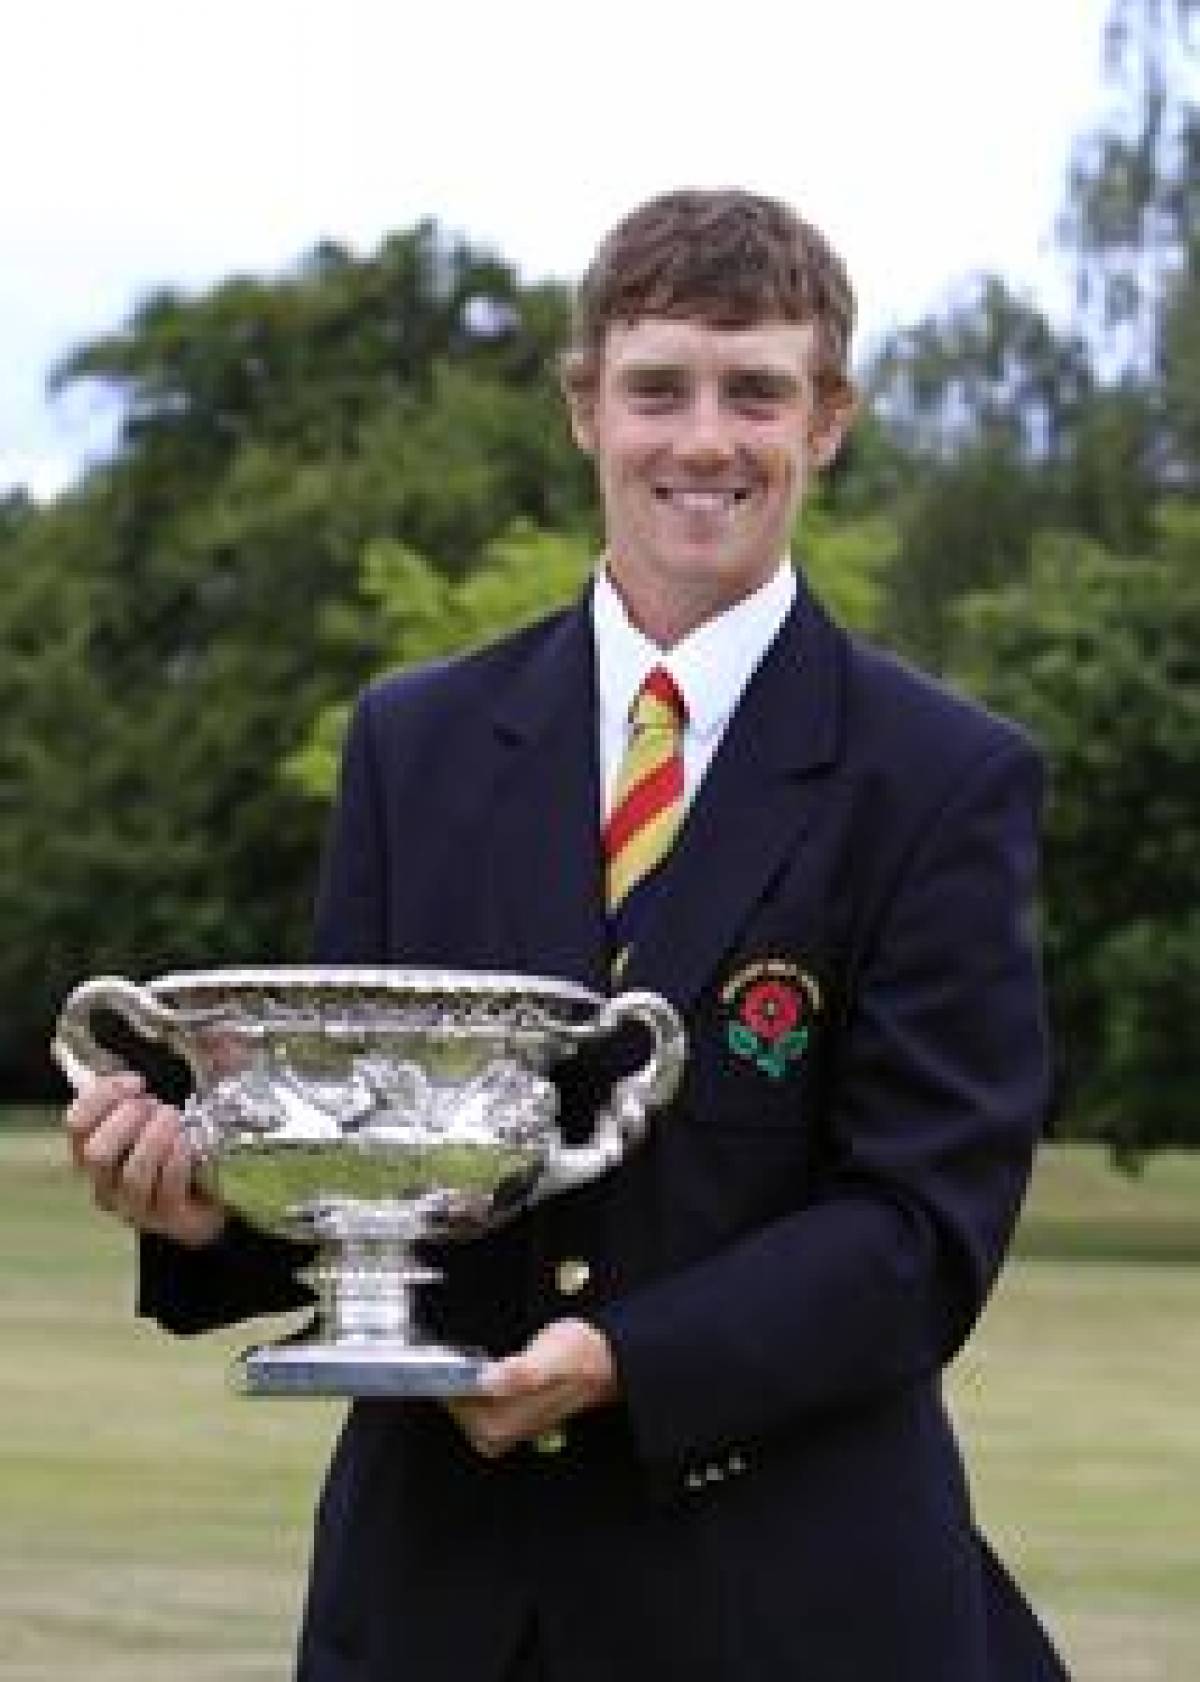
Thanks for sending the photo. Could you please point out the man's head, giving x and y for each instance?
(707, 380)
(723, 257)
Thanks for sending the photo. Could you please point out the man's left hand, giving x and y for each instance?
(567, 1368)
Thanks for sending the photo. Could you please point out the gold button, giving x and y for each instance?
(571, 1275)
(551, 1442)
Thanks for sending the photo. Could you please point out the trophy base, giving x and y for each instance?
(357, 1368)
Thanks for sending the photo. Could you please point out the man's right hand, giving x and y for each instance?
(133, 1150)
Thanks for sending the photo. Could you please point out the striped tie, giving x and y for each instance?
(647, 805)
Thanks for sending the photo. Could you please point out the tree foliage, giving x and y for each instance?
(165, 623)
(1099, 655)
(421, 615)
(1133, 200)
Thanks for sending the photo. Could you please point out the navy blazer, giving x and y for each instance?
(804, 1240)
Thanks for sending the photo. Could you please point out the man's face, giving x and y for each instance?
(703, 439)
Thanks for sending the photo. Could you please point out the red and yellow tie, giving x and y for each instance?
(647, 804)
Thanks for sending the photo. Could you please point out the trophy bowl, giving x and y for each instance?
(366, 1110)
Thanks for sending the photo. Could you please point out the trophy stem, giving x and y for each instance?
(364, 1286)
(363, 1339)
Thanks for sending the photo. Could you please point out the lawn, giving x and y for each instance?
(156, 1525)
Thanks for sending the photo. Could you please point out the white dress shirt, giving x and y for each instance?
(711, 666)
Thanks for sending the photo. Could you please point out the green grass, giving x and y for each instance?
(154, 1523)
(157, 1525)
(1079, 1405)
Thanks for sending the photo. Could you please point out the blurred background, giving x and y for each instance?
(281, 289)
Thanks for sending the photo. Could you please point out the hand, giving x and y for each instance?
(133, 1150)
(567, 1368)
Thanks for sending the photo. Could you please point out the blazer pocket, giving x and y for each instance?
(741, 1079)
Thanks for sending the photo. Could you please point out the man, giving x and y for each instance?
(719, 1450)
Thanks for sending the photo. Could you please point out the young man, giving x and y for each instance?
(712, 1443)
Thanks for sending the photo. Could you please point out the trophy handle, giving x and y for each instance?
(622, 1121)
(75, 1048)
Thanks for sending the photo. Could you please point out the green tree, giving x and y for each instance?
(1133, 192)
(1181, 368)
(420, 615)
(847, 560)
(164, 624)
(1129, 227)
(992, 371)
(16, 507)
(1100, 656)
(1012, 426)
(1005, 432)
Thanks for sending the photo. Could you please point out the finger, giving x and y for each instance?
(175, 1176)
(142, 1167)
(473, 1421)
(90, 1106)
(184, 1210)
(511, 1378)
(105, 1148)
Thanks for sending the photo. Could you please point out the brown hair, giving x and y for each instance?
(726, 257)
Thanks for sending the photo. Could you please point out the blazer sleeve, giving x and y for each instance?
(935, 1103)
(245, 1271)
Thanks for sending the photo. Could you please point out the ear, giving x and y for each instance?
(581, 409)
(576, 378)
(832, 419)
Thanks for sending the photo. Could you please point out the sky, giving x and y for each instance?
(146, 144)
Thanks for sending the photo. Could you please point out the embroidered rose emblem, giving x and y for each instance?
(767, 1029)
(770, 1009)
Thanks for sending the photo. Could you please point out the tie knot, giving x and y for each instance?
(658, 704)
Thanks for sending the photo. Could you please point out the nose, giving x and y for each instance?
(705, 435)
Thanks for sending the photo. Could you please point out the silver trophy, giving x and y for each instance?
(365, 1110)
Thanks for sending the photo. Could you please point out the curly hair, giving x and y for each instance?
(726, 257)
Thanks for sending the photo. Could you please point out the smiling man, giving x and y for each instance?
(712, 1443)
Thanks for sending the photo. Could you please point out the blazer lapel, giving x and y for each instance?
(545, 827)
(758, 796)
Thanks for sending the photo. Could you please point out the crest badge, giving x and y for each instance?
(770, 1008)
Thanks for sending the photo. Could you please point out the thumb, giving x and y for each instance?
(514, 1375)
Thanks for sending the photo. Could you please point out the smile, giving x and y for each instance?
(710, 500)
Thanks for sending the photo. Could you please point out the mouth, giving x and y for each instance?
(703, 499)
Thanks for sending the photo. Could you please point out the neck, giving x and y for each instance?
(665, 616)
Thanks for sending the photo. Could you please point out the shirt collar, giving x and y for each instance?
(712, 664)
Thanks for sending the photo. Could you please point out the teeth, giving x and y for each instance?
(704, 502)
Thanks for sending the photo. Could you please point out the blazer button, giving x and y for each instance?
(694, 1481)
(551, 1442)
(736, 1464)
(571, 1276)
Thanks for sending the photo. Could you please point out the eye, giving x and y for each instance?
(653, 389)
(758, 391)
